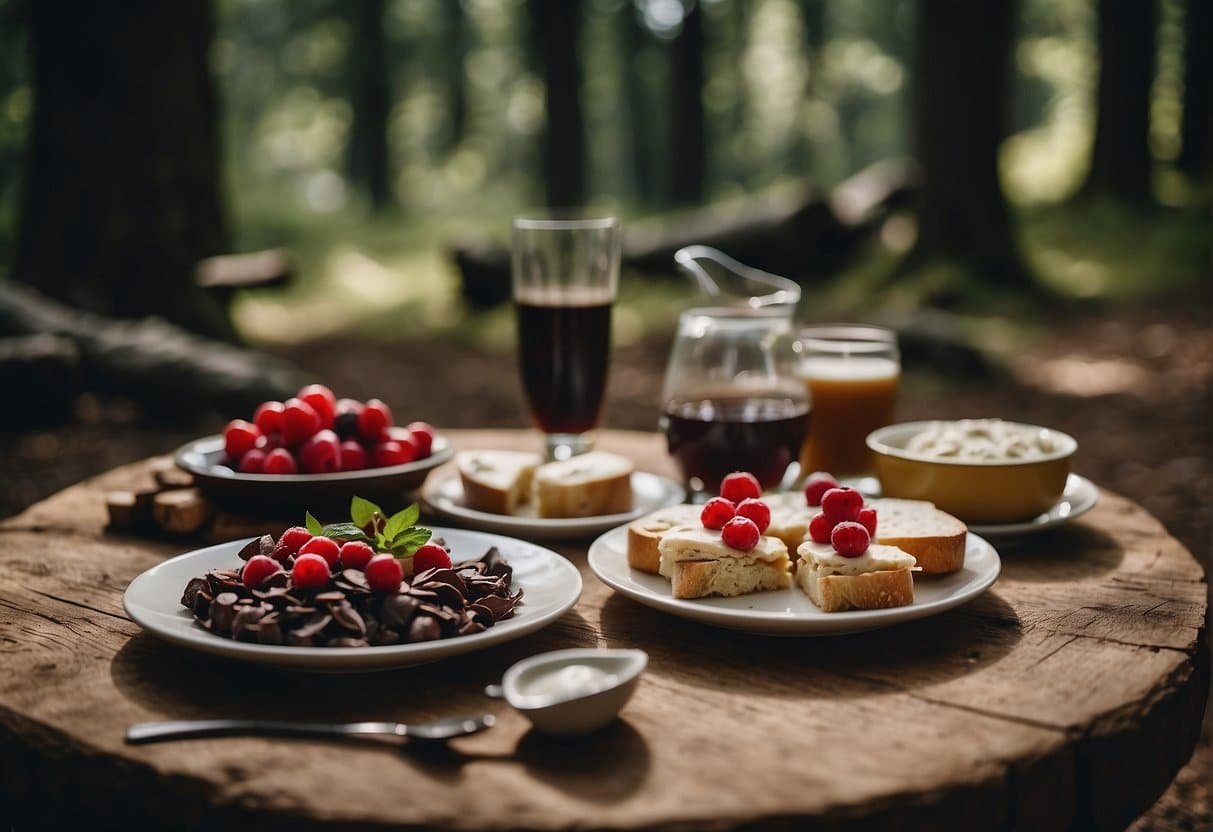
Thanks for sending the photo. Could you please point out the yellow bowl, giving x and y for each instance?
(976, 492)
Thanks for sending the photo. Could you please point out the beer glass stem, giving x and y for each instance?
(565, 445)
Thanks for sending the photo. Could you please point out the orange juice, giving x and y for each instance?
(850, 398)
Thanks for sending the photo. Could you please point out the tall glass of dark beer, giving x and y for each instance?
(565, 278)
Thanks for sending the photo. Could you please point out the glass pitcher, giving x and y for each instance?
(726, 282)
(732, 400)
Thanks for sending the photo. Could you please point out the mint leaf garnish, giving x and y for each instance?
(363, 511)
(344, 532)
(401, 520)
(410, 540)
(313, 525)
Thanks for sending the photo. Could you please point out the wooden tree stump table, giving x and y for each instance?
(1065, 698)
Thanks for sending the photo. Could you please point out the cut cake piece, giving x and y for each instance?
(645, 534)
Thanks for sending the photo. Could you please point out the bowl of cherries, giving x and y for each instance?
(315, 446)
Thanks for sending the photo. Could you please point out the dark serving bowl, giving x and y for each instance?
(204, 459)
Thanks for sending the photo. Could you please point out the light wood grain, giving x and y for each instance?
(1067, 697)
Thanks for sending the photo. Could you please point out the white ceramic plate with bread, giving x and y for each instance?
(789, 612)
(508, 492)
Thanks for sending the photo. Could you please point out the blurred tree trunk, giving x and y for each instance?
(370, 100)
(688, 139)
(556, 33)
(1121, 165)
(121, 194)
(455, 50)
(636, 48)
(1195, 135)
(960, 107)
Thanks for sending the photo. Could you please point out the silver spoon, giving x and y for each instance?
(440, 729)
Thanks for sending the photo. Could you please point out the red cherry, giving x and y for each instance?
(740, 485)
(321, 454)
(258, 568)
(850, 539)
(431, 556)
(310, 572)
(239, 437)
(384, 573)
(716, 512)
(356, 555)
(294, 538)
(842, 503)
(280, 461)
(375, 418)
(283, 554)
(423, 433)
(322, 401)
(325, 547)
(816, 486)
(299, 421)
(252, 462)
(353, 456)
(392, 452)
(867, 519)
(268, 417)
(820, 527)
(740, 533)
(756, 510)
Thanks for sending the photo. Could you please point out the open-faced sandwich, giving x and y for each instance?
(644, 535)
(727, 553)
(840, 568)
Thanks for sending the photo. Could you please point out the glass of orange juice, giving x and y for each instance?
(851, 372)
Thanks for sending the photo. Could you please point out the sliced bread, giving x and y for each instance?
(496, 481)
(935, 538)
(584, 486)
(878, 579)
(645, 534)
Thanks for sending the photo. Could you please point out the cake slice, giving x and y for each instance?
(496, 481)
(879, 578)
(935, 538)
(645, 534)
(584, 486)
(699, 563)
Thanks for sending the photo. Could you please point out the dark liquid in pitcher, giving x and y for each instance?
(713, 437)
(564, 353)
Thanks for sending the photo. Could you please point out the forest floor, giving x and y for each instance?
(1131, 380)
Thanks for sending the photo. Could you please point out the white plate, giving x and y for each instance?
(550, 584)
(444, 496)
(789, 612)
(1079, 497)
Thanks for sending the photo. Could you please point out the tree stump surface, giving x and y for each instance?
(1066, 697)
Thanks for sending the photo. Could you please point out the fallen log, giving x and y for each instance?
(801, 234)
(161, 367)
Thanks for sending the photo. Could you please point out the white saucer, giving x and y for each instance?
(1079, 497)
(443, 494)
(550, 584)
(789, 612)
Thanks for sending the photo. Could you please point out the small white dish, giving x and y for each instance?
(443, 494)
(572, 692)
(1080, 496)
(551, 585)
(789, 612)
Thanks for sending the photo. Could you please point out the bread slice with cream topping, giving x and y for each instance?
(878, 579)
(699, 563)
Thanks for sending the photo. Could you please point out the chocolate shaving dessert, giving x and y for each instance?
(349, 585)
